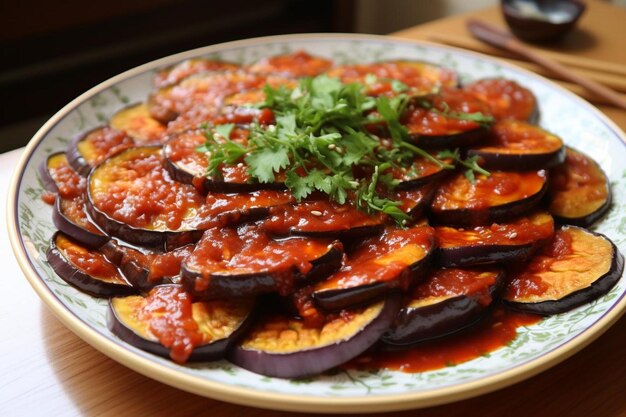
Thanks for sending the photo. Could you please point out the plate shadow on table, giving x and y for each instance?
(100, 386)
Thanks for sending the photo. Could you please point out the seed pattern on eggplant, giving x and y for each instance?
(330, 253)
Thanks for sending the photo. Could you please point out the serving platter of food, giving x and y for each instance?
(355, 223)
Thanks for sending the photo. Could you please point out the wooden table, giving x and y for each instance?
(46, 370)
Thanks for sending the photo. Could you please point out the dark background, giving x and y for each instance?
(53, 51)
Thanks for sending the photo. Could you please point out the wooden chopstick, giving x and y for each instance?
(569, 60)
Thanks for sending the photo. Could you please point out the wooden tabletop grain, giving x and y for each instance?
(46, 370)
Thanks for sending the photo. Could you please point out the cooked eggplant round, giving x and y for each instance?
(297, 64)
(515, 145)
(579, 191)
(421, 78)
(577, 267)
(175, 73)
(442, 121)
(86, 269)
(59, 177)
(283, 347)
(494, 198)
(323, 219)
(420, 172)
(70, 217)
(136, 121)
(47, 168)
(414, 202)
(131, 196)
(235, 208)
(506, 99)
(88, 149)
(244, 261)
(514, 240)
(395, 259)
(448, 301)
(168, 323)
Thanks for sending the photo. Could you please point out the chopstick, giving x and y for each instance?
(609, 68)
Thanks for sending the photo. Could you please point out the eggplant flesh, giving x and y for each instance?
(501, 242)
(577, 267)
(136, 121)
(401, 257)
(283, 347)
(218, 324)
(427, 316)
(495, 198)
(579, 191)
(86, 269)
(88, 149)
(243, 261)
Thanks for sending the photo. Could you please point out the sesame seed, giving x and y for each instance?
(332, 146)
(338, 150)
(240, 165)
(316, 213)
(512, 235)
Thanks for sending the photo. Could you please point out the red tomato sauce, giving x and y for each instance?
(88, 261)
(101, 143)
(506, 98)
(492, 333)
(74, 210)
(69, 183)
(169, 311)
(297, 64)
(454, 281)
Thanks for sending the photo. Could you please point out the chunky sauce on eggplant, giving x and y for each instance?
(101, 143)
(88, 261)
(186, 68)
(74, 210)
(451, 282)
(137, 122)
(516, 137)
(506, 98)
(297, 64)
(68, 182)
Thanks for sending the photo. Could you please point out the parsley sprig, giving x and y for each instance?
(470, 163)
(321, 139)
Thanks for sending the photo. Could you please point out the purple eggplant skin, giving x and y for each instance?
(82, 281)
(209, 352)
(243, 285)
(485, 216)
(339, 299)
(600, 286)
(458, 140)
(86, 237)
(74, 157)
(48, 182)
(518, 162)
(416, 325)
(483, 254)
(313, 361)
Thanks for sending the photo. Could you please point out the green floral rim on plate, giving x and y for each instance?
(535, 348)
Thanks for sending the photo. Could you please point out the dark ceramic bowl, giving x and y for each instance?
(541, 20)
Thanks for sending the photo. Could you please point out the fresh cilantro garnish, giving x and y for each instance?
(320, 142)
(470, 163)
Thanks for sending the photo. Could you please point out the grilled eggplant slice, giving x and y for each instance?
(437, 121)
(131, 196)
(86, 269)
(146, 268)
(514, 240)
(576, 268)
(579, 191)
(244, 261)
(516, 145)
(322, 219)
(496, 198)
(89, 149)
(297, 64)
(137, 122)
(448, 301)
(395, 259)
(176, 73)
(420, 172)
(167, 323)
(421, 77)
(235, 208)
(414, 202)
(70, 217)
(506, 99)
(59, 177)
(280, 346)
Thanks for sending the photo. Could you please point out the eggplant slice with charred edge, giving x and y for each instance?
(395, 259)
(137, 122)
(167, 323)
(283, 347)
(58, 176)
(579, 191)
(448, 301)
(577, 267)
(437, 121)
(131, 196)
(322, 219)
(494, 198)
(86, 269)
(243, 261)
(235, 208)
(514, 240)
(70, 217)
(88, 149)
(515, 145)
(506, 99)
